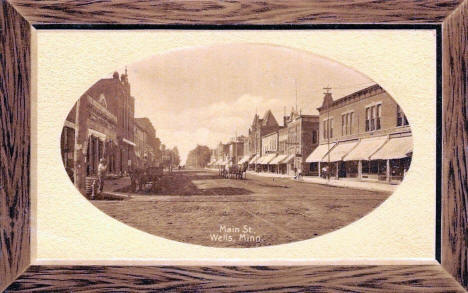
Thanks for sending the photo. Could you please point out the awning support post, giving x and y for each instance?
(360, 169)
(336, 172)
(388, 171)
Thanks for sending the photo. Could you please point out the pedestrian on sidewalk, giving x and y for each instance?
(324, 172)
(102, 171)
(299, 174)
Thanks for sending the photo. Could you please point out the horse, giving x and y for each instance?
(243, 170)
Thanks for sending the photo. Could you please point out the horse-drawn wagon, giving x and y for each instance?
(142, 177)
(236, 171)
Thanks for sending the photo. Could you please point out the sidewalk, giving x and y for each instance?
(110, 189)
(266, 174)
(343, 182)
(350, 183)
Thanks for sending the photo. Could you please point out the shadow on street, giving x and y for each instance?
(181, 183)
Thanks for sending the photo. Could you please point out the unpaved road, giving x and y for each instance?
(201, 208)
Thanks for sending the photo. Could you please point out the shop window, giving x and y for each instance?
(374, 167)
(365, 167)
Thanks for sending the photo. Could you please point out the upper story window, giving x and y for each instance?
(401, 117)
(347, 123)
(373, 117)
(314, 136)
(328, 128)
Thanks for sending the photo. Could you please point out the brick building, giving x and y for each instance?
(259, 128)
(302, 139)
(100, 125)
(363, 135)
(236, 150)
(269, 152)
(147, 145)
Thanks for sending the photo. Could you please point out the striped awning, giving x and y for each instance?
(395, 148)
(264, 160)
(320, 152)
(365, 149)
(244, 159)
(254, 159)
(288, 159)
(278, 159)
(340, 151)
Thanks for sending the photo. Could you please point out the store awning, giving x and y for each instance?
(244, 159)
(339, 151)
(365, 149)
(254, 159)
(269, 158)
(128, 142)
(278, 159)
(288, 159)
(97, 134)
(264, 160)
(319, 152)
(395, 148)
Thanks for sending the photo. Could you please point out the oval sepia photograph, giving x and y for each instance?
(236, 145)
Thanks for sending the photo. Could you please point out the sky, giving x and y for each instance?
(205, 95)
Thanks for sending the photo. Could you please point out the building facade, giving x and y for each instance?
(259, 128)
(147, 145)
(236, 150)
(363, 135)
(100, 125)
(302, 139)
(269, 152)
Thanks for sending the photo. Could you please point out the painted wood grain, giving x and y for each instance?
(236, 279)
(15, 147)
(14, 144)
(455, 145)
(235, 11)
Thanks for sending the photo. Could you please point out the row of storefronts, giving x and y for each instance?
(102, 126)
(362, 136)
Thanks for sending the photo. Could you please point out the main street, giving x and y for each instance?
(199, 207)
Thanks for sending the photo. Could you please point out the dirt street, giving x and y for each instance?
(199, 207)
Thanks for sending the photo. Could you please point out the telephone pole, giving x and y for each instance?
(328, 88)
(81, 136)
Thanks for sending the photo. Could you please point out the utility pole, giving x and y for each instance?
(81, 136)
(295, 86)
(328, 88)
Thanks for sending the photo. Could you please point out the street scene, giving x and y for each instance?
(193, 147)
(201, 207)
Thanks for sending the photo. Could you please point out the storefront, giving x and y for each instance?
(397, 153)
(253, 162)
(264, 162)
(359, 161)
(385, 158)
(315, 159)
(279, 167)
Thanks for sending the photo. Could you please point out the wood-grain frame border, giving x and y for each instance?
(17, 20)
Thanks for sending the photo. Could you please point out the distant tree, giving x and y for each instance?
(199, 157)
(175, 156)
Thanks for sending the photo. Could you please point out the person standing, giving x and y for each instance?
(102, 170)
